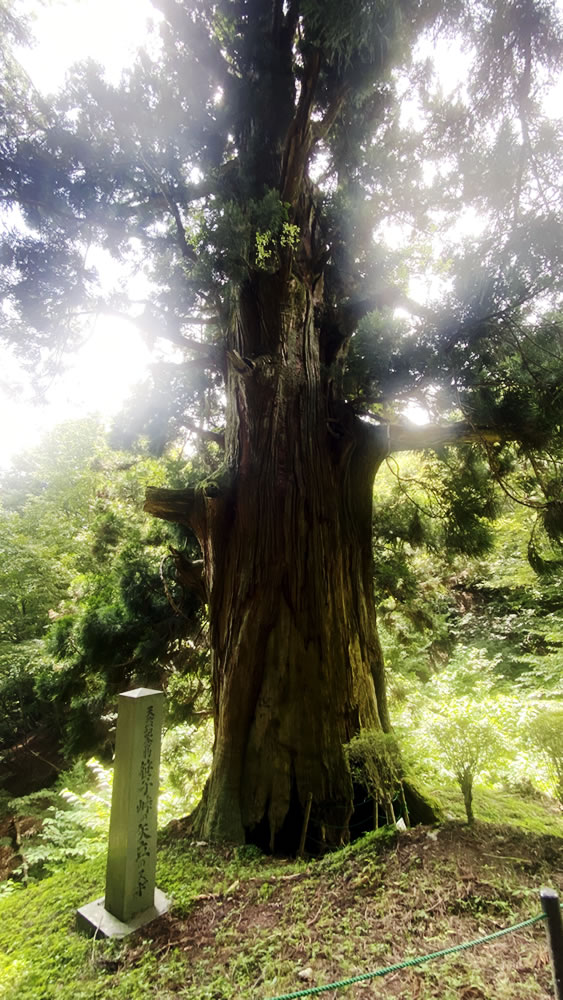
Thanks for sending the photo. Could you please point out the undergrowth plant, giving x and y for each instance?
(376, 764)
(467, 743)
(546, 736)
(466, 726)
(76, 825)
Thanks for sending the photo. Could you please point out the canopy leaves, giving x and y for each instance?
(255, 138)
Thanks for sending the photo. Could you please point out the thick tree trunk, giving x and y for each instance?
(297, 666)
(285, 534)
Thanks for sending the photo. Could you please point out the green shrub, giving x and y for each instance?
(546, 735)
(375, 762)
(467, 743)
(77, 825)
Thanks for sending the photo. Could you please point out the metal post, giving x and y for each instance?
(306, 817)
(404, 805)
(554, 930)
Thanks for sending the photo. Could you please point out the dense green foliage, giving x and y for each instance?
(546, 734)
(436, 604)
(454, 678)
(71, 819)
(85, 612)
(376, 765)
(476, 639)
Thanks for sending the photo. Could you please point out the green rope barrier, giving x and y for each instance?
(408, 962)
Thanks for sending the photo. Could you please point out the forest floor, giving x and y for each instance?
(244, 925)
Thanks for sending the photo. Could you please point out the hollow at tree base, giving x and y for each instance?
(95, 921)
(423, 809)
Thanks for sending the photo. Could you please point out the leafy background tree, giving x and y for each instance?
(87, 609)
(546, 736)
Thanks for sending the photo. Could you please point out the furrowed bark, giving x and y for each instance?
(297, 667)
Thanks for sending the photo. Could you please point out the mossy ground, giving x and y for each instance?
(244, 925)
(533, 814)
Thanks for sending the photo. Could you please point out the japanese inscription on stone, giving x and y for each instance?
(131, 866)
(145, 803)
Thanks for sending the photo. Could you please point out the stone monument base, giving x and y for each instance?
(94, 920)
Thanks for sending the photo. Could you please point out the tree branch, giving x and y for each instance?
(207, 354)
(322, 128)
(188, 252)
(218, 437)
(390, 297)
(471, 328)
(190, 506)
(411, 438)
(190, 574)
(160, 199)
(292, 17)
(178, 506)
(299, 137)
(198, 347)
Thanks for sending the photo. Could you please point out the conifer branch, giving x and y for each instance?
(403, 438)
(208, 355)
(160, 198)
(209, 352)
(209, 53)
(471, 329)
(187, 251)
(389, 297)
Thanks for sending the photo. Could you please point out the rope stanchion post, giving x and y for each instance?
(554, 930)
(306, 818)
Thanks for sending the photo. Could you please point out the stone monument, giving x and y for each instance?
(131, 898)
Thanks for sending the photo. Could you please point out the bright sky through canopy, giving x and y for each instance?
(69, 31)
(115, 357)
